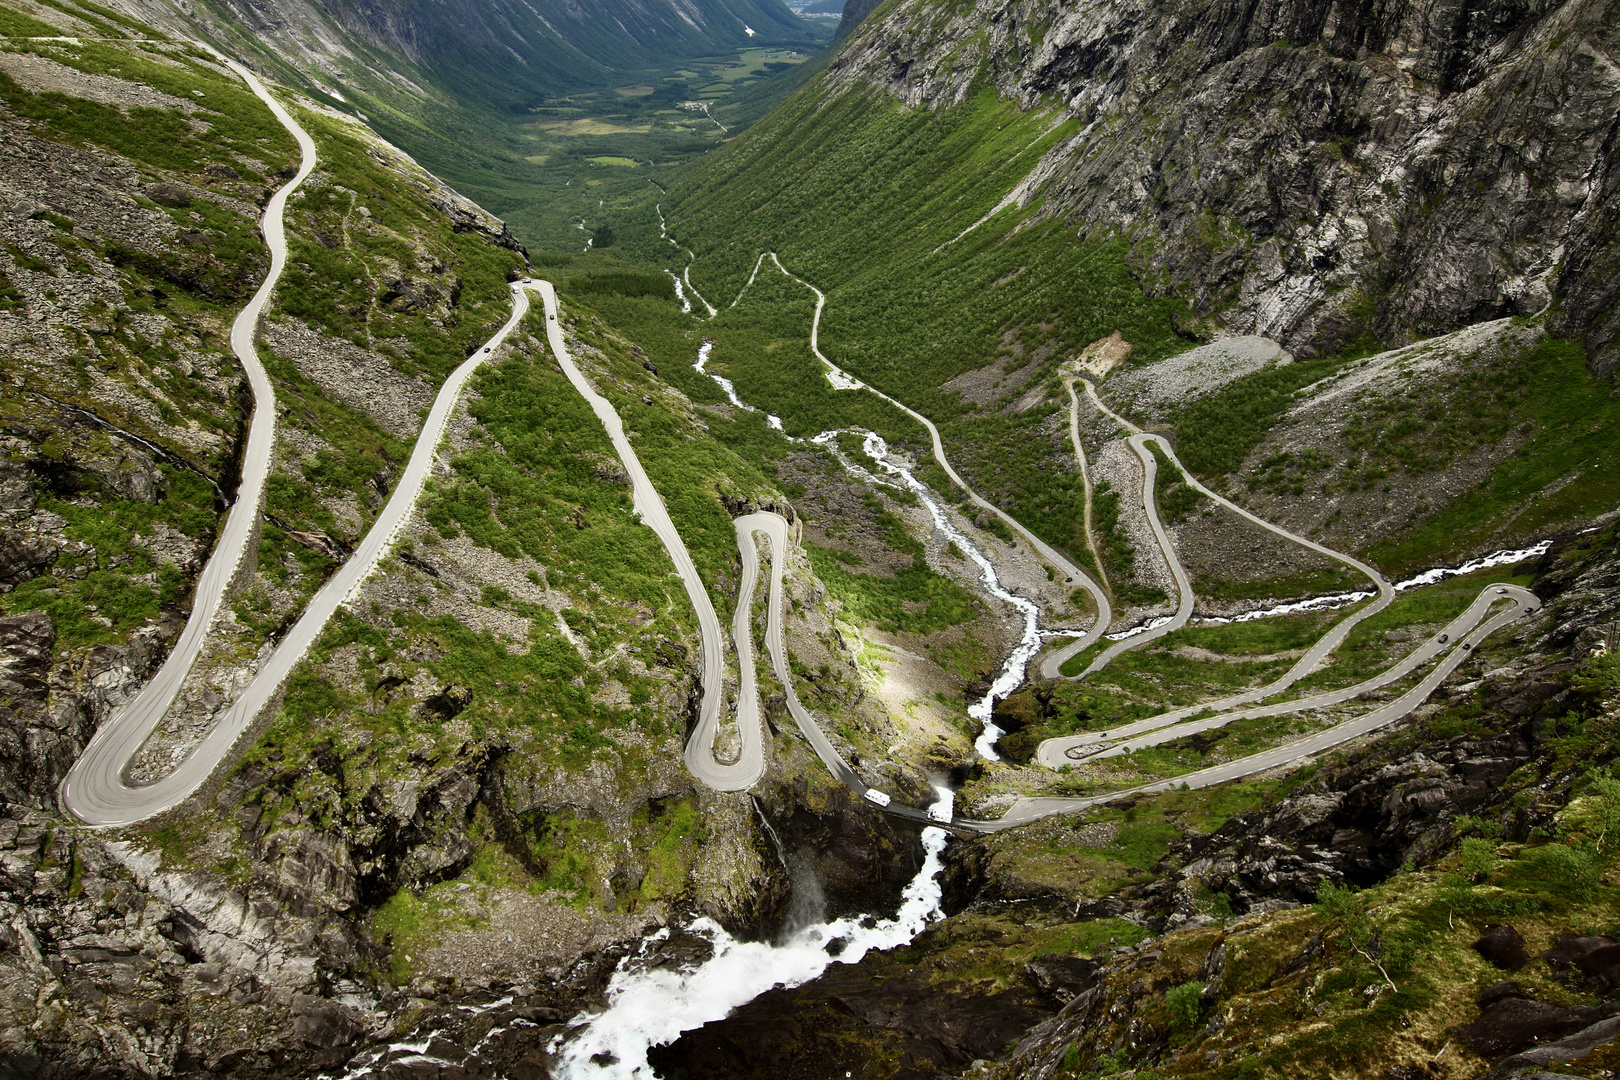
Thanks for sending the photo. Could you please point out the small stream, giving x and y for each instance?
(1504, 557)
(680, 290)
(650, 1005)
(874, 446)
(731, 391)
(1012, 671)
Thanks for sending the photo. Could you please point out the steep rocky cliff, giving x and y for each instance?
(1312, 171)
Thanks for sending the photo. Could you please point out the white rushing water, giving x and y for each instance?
(680, 291)
(1315, 603)
(1485, 562)
(1338, 600)
(771, 419)
(1012, 672)
(650, 1006)
(1152, 624)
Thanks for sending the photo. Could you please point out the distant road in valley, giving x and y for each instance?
(1073, 575)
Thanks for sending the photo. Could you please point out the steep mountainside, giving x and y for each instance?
(1310, 171)
(1036, 223)
(521, 105)
(486, 55)
(985, 195)
(474, 780)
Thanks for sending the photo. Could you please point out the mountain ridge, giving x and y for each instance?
(1370, 199)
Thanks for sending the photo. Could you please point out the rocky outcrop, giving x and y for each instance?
(1309, 170)
(845, 1020)
(850, 860)
(854, 13)
(112, 965)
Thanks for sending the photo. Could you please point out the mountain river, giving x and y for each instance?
(650, 1005)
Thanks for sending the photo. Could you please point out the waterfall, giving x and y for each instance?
(649, 1006)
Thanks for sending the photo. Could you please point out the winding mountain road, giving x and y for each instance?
(1473, 622)
(776, 528)
(1520, 603)
(1184, 591)
(1123, 742)
(96, 791)
(1065, 750)
(649, 506)
(842, 380)
(93, 790)
(699, 750)
(1085, 483)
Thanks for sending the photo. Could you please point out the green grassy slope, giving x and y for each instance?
(876, 204)
(902, 217)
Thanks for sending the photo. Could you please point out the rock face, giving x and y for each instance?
(841, 1021)
(1515, 1022)
(855, 13)
(1310, 170)
(111, 965)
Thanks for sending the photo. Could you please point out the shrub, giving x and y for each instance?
(1479, 858)
(1185, 1004)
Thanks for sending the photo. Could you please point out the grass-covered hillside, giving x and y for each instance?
(134, 172)
(955, 283)
(877, 221)
(545, 113)
(488, 727)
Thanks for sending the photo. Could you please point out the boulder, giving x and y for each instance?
(1596, 957)
(1514, 1023)
(1502, 947)
(1499, 991)
(169, 195)
(1062, 978)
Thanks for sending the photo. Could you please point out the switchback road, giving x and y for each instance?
(1184, 591)
(1073, 575)
(1057, 752)
(1519, 603)
(93, 789)
(649, 505)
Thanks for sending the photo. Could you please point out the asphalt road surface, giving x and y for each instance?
(96, 792)
(1184, 591)
(1519, 603)
(93, 789)
(649, 506)
(1073, 575)
(1065, 750)
(1085, 480)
